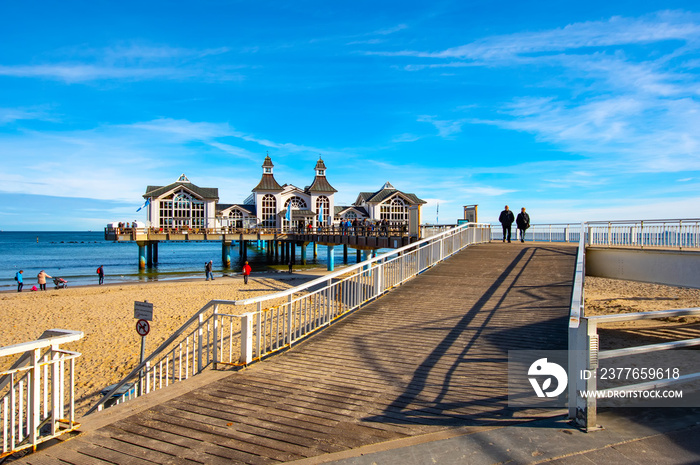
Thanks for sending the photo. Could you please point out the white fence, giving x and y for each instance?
(277, 321)
(670, 234)
(560, 232)
(35, 390)
(673, 234)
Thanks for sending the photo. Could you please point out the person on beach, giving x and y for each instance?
(246, 272)
(41, 278)
(291, 265)
(208, 270)
(20, 281)
(506, 219)
(101, 273)
(523, 222)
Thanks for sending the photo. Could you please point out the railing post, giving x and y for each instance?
(199, 342)
(34, 406)
(290, 318)
(246, 338)
(216, 335)
(55, 389)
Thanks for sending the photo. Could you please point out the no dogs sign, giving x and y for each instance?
(142, 327)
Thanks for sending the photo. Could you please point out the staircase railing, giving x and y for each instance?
(36, 389)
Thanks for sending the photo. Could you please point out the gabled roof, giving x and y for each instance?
(206, 193)
(339, 210)
(267, 183)
(384, 193)
(250, 209)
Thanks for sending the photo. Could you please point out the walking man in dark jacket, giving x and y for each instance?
(523, 222)
(506, 218)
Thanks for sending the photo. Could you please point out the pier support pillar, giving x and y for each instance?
(244, 250)
(149, 254)
(142, 255)
(155, 252)
(303, 253)
(293, 251)
(277, 250)
(226, 254)
(315, 250)
(358, 256)
(345, 253)
(331, 257)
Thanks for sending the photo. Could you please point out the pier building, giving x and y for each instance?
(277, 218)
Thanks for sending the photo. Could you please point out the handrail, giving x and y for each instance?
(64, 336)
(179, 332)
(586, 359)
(351, 268)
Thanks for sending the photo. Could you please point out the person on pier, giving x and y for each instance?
(506, 219)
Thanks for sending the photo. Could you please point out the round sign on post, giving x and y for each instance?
(142, 327)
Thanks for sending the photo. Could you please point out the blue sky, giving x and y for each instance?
(577, 112)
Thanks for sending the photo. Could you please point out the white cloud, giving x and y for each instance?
(616, 31)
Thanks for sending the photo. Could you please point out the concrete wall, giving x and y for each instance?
(674, 268)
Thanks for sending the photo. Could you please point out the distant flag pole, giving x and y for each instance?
(288, 216)
(145, 204)
(320, 215)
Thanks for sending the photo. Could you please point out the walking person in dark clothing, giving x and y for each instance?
(291, 266)
(101, 273)
(207, 270)
(506, 218)
(246, 272)
(20, 281)
(523, 222)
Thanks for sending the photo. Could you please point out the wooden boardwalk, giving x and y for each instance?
(427, 357)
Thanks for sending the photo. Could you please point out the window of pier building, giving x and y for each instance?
(297, 203)
(269, 211)
(181, 211)
(235, 219)
(323, 205)
(396, 211)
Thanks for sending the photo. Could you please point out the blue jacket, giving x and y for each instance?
(19, 277)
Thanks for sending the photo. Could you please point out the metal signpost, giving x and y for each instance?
(144, 312)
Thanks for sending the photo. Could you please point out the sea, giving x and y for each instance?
(75, 256)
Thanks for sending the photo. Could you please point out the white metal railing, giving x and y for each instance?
(676, 234)
(556, 232)
(584, 353)
(212, 337)
(586, 336)
(35, 390)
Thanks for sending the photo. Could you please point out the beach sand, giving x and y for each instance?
(111, 347)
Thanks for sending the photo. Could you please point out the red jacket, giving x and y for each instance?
(246, 270)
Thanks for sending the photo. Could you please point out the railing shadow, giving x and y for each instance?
(439, 408)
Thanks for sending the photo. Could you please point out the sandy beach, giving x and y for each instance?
(111, 346)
